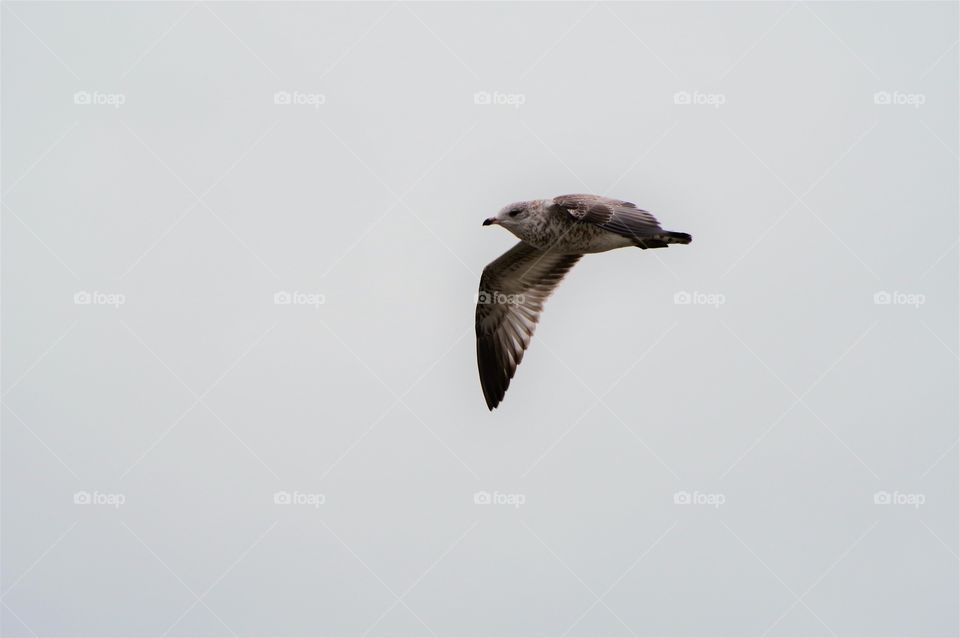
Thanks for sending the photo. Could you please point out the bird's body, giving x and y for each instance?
(550, 229)
(554, 234)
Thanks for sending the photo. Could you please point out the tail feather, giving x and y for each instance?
(663, 239)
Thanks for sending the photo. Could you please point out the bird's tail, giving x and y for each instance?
(664, 238)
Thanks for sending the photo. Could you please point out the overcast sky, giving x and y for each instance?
(241, 244)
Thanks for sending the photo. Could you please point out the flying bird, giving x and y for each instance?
(554, 234)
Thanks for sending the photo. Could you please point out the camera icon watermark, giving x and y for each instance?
(513, 499)
(299, 98)
(697, 298)
(699, 98)
(308, 499)
(484, 297)
(298, 298)
(99, 98)
(912, 499)
(696, 497)
(499, 98)
(898, 298)
(109, 499)
(98, 298)
(899, 98)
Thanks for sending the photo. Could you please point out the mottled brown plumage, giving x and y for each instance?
(555, 234)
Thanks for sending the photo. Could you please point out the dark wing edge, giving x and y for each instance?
(513, 289)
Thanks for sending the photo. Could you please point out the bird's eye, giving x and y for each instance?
(513, 213)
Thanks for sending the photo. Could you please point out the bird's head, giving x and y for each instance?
(514, 217)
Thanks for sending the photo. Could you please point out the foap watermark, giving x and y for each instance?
(697, 298)
(912, 499)
(99, 98)
(899, 98)
(514, 499)
(99, 298)
(898, 298)
(109, 499)
(495, 297)
(696, 497)
(309, 499)
(298, 298)
(499, 98)
(699, 98)
(299, 98)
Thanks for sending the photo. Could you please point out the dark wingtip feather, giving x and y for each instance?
(678, 238)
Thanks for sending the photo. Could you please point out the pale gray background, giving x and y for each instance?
(199, 398)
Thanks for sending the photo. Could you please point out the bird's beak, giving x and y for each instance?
(490, 220)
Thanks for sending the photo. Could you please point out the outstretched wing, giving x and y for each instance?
(513, 289)
(615, 215)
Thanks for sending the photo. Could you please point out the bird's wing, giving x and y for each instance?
(513, 289)
(617, 216)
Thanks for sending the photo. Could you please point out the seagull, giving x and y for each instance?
(554, 234)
